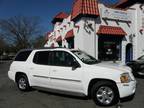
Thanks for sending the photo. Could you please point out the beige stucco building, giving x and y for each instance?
(107, 33)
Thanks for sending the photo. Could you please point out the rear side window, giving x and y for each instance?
(22, 56)
(42, 58)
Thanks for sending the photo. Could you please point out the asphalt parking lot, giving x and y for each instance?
(11, 97)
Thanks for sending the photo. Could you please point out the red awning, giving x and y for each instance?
(59, 39)
(69, 34)
(109, 30)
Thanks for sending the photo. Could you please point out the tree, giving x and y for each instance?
(19, 30)
(3, 45)
(38, 42)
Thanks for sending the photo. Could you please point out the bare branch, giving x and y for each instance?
(20, 29)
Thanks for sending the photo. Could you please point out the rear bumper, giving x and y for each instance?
(126, 89)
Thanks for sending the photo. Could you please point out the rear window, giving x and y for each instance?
(22, 56)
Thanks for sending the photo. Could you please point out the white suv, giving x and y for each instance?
(71, 71)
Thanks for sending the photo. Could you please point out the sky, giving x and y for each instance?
(45, 9)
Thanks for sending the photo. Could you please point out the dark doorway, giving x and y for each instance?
(109, 47)
(60, 43)
(129, 52)
(70, 42)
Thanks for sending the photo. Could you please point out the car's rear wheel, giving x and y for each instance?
(22, 83)
(105, 93)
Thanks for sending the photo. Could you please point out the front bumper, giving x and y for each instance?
(11, 75)
(140, 73)
(127, 89)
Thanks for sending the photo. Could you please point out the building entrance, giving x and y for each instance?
(109, 47)
(129, 53)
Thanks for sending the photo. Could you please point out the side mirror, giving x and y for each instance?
(98, 61)
(75, 65)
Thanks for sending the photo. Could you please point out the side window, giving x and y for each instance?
(42, 58)
(62, 58)
(22, 56)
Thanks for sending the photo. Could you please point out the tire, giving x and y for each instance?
(105, 93)
(22, 83)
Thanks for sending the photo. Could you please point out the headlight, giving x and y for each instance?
(125, 78)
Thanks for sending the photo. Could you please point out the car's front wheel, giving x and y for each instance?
(22, 83)
(104, 93)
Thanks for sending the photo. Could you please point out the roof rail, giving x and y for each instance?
(50, 47)
(31, 49)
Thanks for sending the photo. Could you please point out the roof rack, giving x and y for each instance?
(51, 48)
(31, 49)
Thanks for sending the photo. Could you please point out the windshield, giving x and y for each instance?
(85, 58)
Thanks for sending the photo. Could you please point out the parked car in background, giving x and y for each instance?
(73, 72)
(137, 66)
(6, 57)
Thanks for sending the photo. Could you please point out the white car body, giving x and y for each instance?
(67, 79)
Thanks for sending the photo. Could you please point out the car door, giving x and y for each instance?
(40, 69)
(62, 75)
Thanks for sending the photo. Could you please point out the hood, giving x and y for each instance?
(139, 61)
(136, 62)
(114, 70)
(122, 68)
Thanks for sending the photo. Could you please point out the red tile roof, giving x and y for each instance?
(69, 34)
(59, 17)
(109, 30)
(85, 7)
(47, 36)
(59, 39)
